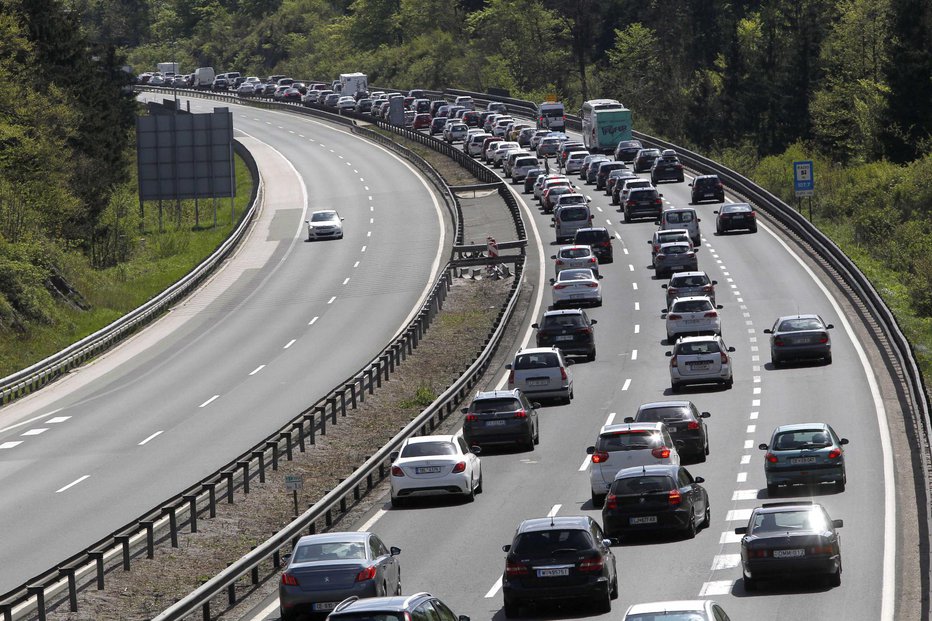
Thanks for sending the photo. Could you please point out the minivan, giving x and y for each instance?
(682, 218)
(568, 219)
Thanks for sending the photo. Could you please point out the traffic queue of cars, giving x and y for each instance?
(637, 472)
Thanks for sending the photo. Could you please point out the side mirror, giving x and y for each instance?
(600, 276)
(830, 327)
(506, 547)
(741, 530)
(663, 286)
(342, 219)
(593, 322)
(843, 441)
(660, 195)
(535, 405)
(475, 450)
(714, 282)
(690, 185)
(699, 480)
(535, 326)
(763, 446)
(731, 350)
(307, 222)
(590, 450)
(553, 256)
(649, 241)
(465, 410)
(393, 455)
(768, 331)
(552, 280)
(508, 366)
(607, 543)
(569, 363)
(588, 199)
(716, 211)
(838, 523)
(719, 307)
(705, 415)
(657, 221)
(629, 419)
(286, 557)
(395, 551)
(669, 354)
(463, 618)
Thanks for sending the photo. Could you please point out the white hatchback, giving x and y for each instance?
(574, 161)
(541, 373)
(627, 445)
(435, 465)
(692, 315)
(575, 288)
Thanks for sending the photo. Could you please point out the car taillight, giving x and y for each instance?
(592, 285)
(723, 357)
(515, 569)
(821, 550)
(753, 214)
(592, 260)
(656, 247)
(711, 314)
(562, 373)
(520, 414)
(757, 553)
(511, 377)
(673, 317)
(471, 418)
(692, 425)
(289, 580)
(584, 331)
(599, 457)
(397, 471)
(591, 564)
(673, 363)
(661, 452)
(611, 502)
(706, 288)
(367, 573)
(834, 453)
(770, 457)
(630, 204)
(657, 201)
(559, 262)
(560, 286)
(823, 339)
(675, 497)
(672, 290)
(459, 467)
(778, 341)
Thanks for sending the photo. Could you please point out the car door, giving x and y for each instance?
(531, 411)
(689, 486)
(388, 563)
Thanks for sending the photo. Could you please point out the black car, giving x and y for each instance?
(570, 330)
(599, 239)
(615, 177)
(706, 187)
(645, 159)
(397, 608)
(667, 167)
(593, 168)
(735, 216)
(655, 498)
(789, 540)
(557, 559)
(796, 337)
(531, 178)
(627, 150)
(501, 417)
(606, 167)
(643, 203)
(683, 420)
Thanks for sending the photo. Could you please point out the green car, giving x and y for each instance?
(806, 453)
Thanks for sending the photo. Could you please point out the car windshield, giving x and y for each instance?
(800, 323)
(575, 275)
(629, 440)
(691, 306)
(789, 520)
(543, 360)
(689, 281)
(324, 216)
(697, 348)
(663, 415)
(801, 439)
(575, 253)
(642, 485)
(482, 406)
(679, 216)
(330, 551)
(428, 449)
(574, 215)
(544, 543)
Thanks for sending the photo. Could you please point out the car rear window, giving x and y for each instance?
(700, 347)
(674, 217)
(585, 237)
(643, 485)
(689, 281)
(330, 551)
(704, 181)
(562, 321)
(691, 306)
(546, 542)
(544, 360)
(643, 194)
(575, 253)
(736, 208)
(577, 274)
(802, 439)
(677, 249)
(426, 449)
(525, 161)
(663, 415)
(780, 521)
(571, 199)
(574, 214)
(667, 615)
(629, 440)
(370, 616)
(482, 406)
(795, 325)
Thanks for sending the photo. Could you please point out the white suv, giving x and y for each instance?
(700, 360)
(693, 314)
(541, 372)
(625, 446)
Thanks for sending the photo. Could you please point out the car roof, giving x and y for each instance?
(664, 404)
(685, 605)
(438, 438)
(631, 427)
(599, 229)
(578, 522)
(776, 507)
(570, 272)
(660, 232)
(392, 603)
(575, 246)
(692, 298)
(803, 316)
(563, 311)
(334, 537)
(538, 350)
(653, 469)
(699, 339)
(800, 427)
(496, 394)
(685, 274)
(671, 244)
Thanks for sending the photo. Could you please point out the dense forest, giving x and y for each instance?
(755, 83)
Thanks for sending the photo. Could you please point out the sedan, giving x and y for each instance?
(799, 336)
(684, 421)
(325, 569)
(689, 610)
(692, 315)
(677, 256)
(700, 360)
(645, 159)
(790, 540)
(435, 465)
(735, 216)
(573, 257)
(574, 288)
(627, 150)
(324, 224)
(660, 497)
(804, 453)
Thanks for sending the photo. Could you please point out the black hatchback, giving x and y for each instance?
(655, 498)
(684, 421)
(569, 330)
(599, 239)
(706, 187)
(501, 417)
(627, 150)
(556, 559)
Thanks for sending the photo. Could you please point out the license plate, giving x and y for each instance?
(802, 460)
(427, 470)
(699, 367)
(538, 382)
(564, 338)
(647, 519)
(553, 573)
(692, 322)
(495, 423)
(789, 553)
(576, 296)
(324, 605)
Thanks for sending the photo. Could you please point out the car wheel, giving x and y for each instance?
(674, 387)
(753, 229)
(718, 230)
(590, 356)
(690, 532)
(680, 179)
(828, 359)
(529, 443)
(730, 382)
(772, 490)
(775, 361)
(479, 489)
(537, 436)
(470, 496)
(750, 584)
(840, 485)
(707, 520)
(597, 500)
(627, 216)
(614, 593)
(604, 604)
(397, 502)
(834, 580)
(511, 609)
(286, 616)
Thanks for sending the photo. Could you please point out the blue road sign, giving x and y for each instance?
(803, 181)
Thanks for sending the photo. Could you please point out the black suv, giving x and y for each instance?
(599, 239)
(559, 558)
(501, 417)
(645, 159)
(705, 187)
(667, 167)
(643, 203)
(627, 150)
(569, 330)
(395, 608)
(601, 177)
(683, 420)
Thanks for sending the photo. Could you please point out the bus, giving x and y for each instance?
(605, 123)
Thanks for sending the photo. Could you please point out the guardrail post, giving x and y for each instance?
(149, 525)
(205, 611)
(343, 404)
(231, 591)
(244, 464)
(352, 389)
(323, 423)
(38, 591)
(260, 456)
(332, 402)
(377, 371)
(254, 573)
(211, 488)
(69, 571)
(286, 436)
(7, 610)
(369, 376)
(273, 445)
(191, 499)
(228, 475)
(172, 524)
(98, 557)
(299, 427)
(123, 540)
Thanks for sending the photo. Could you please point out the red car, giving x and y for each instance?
(422, 120)
(471, 118)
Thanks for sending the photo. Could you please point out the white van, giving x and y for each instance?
(568, 218)
(682, 218)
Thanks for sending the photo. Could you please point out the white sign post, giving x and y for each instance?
(294, 483)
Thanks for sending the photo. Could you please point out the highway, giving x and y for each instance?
(453, 550)
(274, 330)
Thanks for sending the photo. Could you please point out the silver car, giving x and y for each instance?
(683, 284)
(574, 161)
(664, 237)
(575, 256)
(575, 288)
(806, 453)
(700, 360)
(541, 372)
(675, 257)
(324, 224)
(627, 445)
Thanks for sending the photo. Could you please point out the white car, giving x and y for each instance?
(551, 182)
(522, 166)
(435, 465)
(346, 104)
(455, 132)
(501, 150)
(575, 256)
(490, 149)
(700, 360)
(474, 143)
(691, 610)
(574, 161)
(630, 184)
(692, 315)
(541, 373)
(575, 288)
(627, 445)
(324, 224)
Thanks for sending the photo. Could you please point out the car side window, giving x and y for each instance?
(425, 612)
(378, 548)
(443, 613)
(462, 444)
(719, 613)
(686, 479)
(597, 534)
(667, 440)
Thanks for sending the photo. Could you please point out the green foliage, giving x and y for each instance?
(423, 396)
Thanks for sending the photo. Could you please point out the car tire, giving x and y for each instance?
(286, 616)
(479, 489)
(397, 502)
(529, 443)
(627, 216)
(707, 519)
(753, 229)
(597, 500)
(470, 496)
(840, 485)
(590, 356)
(834, 580)
(691, 529)
(604, 605)
(680, 179)
(730, 382)
(537, 437)
(614, 592)
(674, 387)
(828, 359)
(718, 230)
(750, 584)
(772, 490)
(511, 609)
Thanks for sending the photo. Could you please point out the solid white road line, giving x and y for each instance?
(209, 401)
(313, 321)
(289, 344)
(266, 612)
(371, 521)
(73, 483)
(31, 420)
(495, 588)
(257, 369)
(154, 435)
(35, 432)
(554, 510)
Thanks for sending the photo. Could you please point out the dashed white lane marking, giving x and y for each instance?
(634, 354)
(554, 510)
(742, 477)
(355, 171)
(209, 401)
(495, 588)
(630, 267)
(745, 459)
(757, 379)
(600, 210)
(363, 249)
(637, 306)
(608, 222)
(748, 444)
(741, 299)
(725, 561)
(752, 428)
(626, 384)
(73, 483)
(368, 233)
(290, 131)
(300, 135)
(313, 321)
(346, 280)
(755, 358)
(35, 432)
(611, 417)
(257, 369)
(356, 264)
(154, 435)
(33, 419)
(370, 198)
(366, 188)
(56, 419)
(9, 445)
(634, 286)
(738, 515)
(744, 494)
(289, 344)
(729, 536)
(371, 220)
(330, 301)
(637, 328)
(755, 403)
(754, 415)
(756, 391)
(625, 250)
(716, 587)
(585, 463)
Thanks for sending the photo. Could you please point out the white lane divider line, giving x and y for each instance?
(330, 301)
(630, 267)
(608, 222)
(346, 280)
(725, 561)
(637, 328)
(9, 445)
(371, 220)
(729, 536)
(744, 494)
(355, 171)
(634, 354)
(313, 321)
(370, 197)
(363, 249)
(637, 306)
(757, 379)
(365, 187)
(740, 299)
(738, 515)
(32, 420)
(600, 210)
(73, 483)
(752, 428)
(625, 250)
(748, 444)
(368, 233)
(634, 286)
(754, 415)
(716, 587)
(257, 369)
(626, 385)
(745, 459)
(34, 432)
(56, 419)
(356, 264)
(611, 417)
(755, 403)
(154, 435)
(742, 477)
(554, 510)
(585, 463)
(495, 588)
(756, 390)
(209, 401)
(289, 344)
